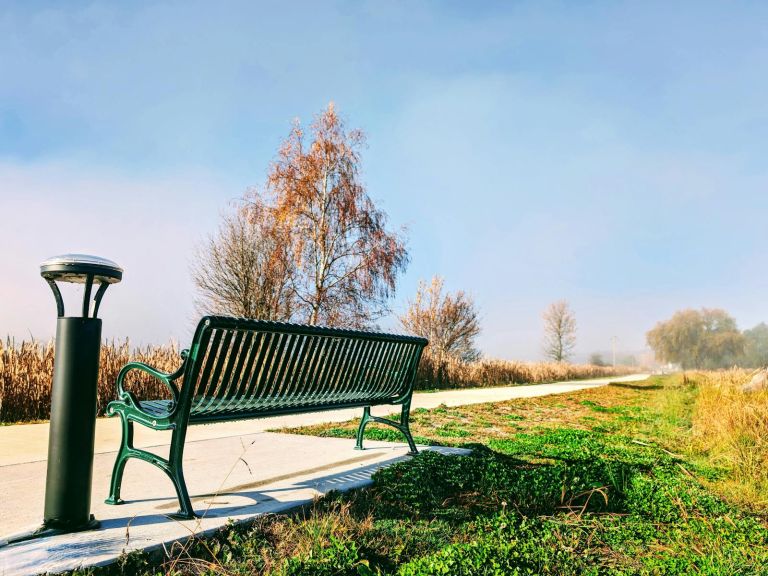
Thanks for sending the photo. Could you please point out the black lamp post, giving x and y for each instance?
(73, 398)
(73, 401)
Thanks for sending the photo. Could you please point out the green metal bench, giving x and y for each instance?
(239, 369)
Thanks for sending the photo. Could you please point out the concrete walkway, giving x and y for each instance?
(29, 442)
(234, 471)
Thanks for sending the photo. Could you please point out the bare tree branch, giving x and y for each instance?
(450, 321)
(241, 271)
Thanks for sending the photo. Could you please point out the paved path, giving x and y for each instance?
(29, 442)
(234, 471)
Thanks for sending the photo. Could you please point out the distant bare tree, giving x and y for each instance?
(243, 269)
(559, 331)
(450, 321)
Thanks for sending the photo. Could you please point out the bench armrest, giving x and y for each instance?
(164, 377)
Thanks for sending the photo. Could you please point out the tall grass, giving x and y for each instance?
(451, 373)
(26, 370)
(731, 428)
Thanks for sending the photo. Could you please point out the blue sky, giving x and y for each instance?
(609, 153)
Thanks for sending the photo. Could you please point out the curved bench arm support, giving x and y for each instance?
(164, 377)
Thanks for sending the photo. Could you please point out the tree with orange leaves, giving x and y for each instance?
(344, 260)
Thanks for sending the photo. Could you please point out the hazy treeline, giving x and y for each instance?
(708, 339)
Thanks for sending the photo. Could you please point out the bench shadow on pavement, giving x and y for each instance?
(258, 498)
(261, 501)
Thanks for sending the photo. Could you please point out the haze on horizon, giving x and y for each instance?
(612, 154)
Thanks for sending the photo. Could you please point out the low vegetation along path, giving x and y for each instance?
(668, 476)
(29, 442)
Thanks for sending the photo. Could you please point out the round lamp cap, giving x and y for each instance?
(77, 268)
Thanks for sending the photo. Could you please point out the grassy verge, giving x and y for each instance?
(622, 479)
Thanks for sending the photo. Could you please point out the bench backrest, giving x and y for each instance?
(238, 368)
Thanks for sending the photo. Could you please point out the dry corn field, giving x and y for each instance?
(26, 370)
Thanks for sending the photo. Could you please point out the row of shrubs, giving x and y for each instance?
(26, 370)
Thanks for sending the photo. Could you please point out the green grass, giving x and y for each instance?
(596, 482)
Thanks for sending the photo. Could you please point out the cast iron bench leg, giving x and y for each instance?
(172, 467)
(126, 447)
(403, 426)
(176, 472)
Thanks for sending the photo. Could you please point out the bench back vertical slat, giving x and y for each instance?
(375, 371)
(342, 389)
(327, 366)
(194, 372)
(340, 380)
(287, 380)
(303, 377)
(271, 365)
(406, 392)
(361, 378)
(240, 375)
(378, 370)
(209, 360)
(228, 384)
(317, 366)
(214, 365)
(226, 358)
(283, 382)
(325, 382)
(400, 370)
(219, 359)
(288, 387)
(391, 376)
(279, 360)
(265, 342)
(357, 379)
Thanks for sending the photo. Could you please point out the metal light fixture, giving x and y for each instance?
(73, 396)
